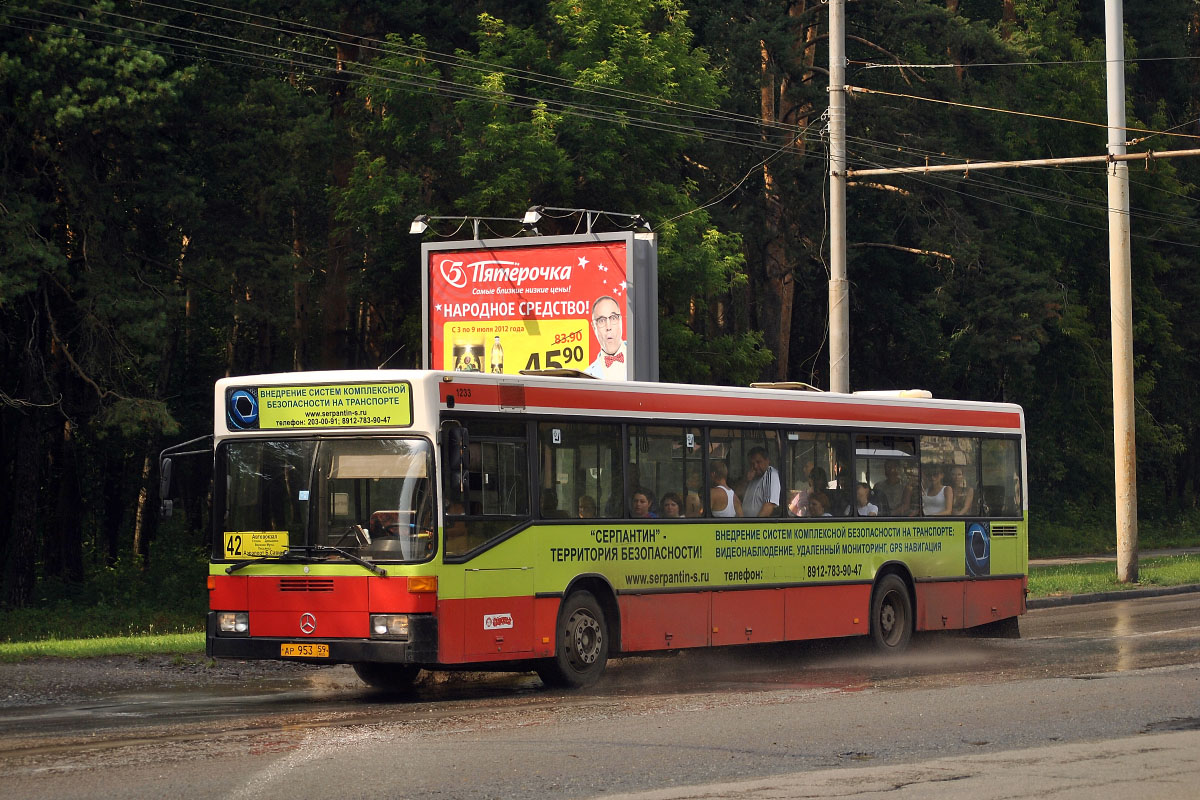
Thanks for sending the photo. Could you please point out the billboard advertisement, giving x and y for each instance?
(567, 302)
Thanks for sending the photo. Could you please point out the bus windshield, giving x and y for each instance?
(370, 497)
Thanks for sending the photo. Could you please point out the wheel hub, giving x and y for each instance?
(587, 638)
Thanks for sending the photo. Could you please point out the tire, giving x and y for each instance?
(389, 677)
(891, 615)
(580, 647)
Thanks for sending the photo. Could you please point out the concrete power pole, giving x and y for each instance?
(1125, 448)
(839, 288)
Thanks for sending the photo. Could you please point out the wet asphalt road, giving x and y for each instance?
(1080, 676)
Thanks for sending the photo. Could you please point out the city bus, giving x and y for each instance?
(404, 520)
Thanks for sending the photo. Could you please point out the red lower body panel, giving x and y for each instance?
(946, 605)
(494, 629)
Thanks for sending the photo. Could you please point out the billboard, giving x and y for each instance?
(586, 303)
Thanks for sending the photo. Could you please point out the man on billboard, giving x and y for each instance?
(610, 365)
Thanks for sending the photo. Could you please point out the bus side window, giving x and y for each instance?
(819, 466)
(580, 468)
(665, 460)
(1000, 466)
(489, 494)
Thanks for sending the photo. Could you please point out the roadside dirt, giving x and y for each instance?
(64, 680)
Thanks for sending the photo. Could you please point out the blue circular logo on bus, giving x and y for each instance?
(242, 409)
(979, 550)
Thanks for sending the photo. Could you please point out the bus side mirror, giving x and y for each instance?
(165, 506)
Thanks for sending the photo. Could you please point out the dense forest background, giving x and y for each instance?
(191, 190)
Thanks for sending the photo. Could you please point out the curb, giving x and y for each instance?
(1104, 597)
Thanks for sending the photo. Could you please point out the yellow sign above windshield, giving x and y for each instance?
(353, 405)
(255, 544)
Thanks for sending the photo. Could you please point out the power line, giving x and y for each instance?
(992, 201)
(861, 90)
(455, 88)
(416, 81)
(878, 65)
(673, 108)
(474, 93)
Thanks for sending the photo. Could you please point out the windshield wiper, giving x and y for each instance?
(285, 556)
(294, 554)
(324, 548)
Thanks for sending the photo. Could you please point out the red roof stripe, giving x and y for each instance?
(544, 398)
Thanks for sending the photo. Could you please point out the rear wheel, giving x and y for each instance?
(391, 677)
(891, 615)
(581, 644)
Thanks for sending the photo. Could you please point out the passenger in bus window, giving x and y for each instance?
(818, 505)
(937, 499)
(763, 487)
(639, 503)
(550, 509)
(863, 506)
(671, 505)
(894, 496)
(798, 505)
(964, 495)
(722, 500)
(587, 507)
(692, 507)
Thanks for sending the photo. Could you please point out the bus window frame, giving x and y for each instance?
(519, 522)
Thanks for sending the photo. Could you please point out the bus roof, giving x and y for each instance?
(435, 391)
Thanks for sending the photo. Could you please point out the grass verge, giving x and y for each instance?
(156, 644)
(1089, 578)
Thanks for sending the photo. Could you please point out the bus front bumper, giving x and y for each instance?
(419, 648)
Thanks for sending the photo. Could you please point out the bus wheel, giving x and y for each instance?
(891, 615)
(390, 677)
(581, 644)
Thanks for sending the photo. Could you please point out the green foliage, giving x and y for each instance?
(124, 599)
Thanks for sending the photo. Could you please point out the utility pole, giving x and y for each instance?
(839, 287)
(1124, 444)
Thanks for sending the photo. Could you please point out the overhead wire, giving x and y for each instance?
(452, 88)
(1035, 191)
(673, 108)
(861, 90)
(879, 65)
(991, 175)
(434, 56)
(930, 181)
(297, 58)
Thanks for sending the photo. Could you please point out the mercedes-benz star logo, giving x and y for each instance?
(308, 623)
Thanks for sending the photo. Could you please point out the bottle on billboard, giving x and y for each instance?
(497, 357)
(468, 356)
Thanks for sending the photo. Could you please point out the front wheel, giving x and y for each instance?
(891, 615)
(581, 644)
(389, 677)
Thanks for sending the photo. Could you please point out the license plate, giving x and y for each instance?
(290, 650)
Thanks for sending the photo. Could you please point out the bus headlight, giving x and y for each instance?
(233, 622)
(393, 626)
